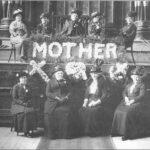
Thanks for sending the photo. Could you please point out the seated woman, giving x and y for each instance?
(131, 118)
(57, 109)
(95, 28)
(22, 109)
(99, 104)
(18, 31)
(44, 27)
(73, 27)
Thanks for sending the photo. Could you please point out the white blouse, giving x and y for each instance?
(93, 87)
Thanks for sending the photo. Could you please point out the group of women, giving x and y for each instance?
(23, 41)
(109, 105)
(104, 104)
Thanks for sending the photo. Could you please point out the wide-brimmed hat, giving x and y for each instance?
(22, 74)
(131, 14)
(44, 15)
(17, 12)
(76, 11)
(57, 68)
(138, 71)
(95, 14)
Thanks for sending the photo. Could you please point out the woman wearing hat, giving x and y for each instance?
(44, 27)
(73, 27)
(57, 109)
(95, 27)
(129, 118)
(18, 31)
(128, 32)
(98, 106)
(22, 108)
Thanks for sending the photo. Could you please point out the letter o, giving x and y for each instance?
(50, 48)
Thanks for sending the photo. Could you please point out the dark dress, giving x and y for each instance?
(72, 28)
(56, 114)
(132, 121)
(97, 120)
(127, 35)
(22, 110)
(44, 29)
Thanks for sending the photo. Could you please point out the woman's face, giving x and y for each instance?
(59, 75)
(94, 75)
(129, 20)
(74, 16)
(23, 80)
(44, 20)
(135, 78)
(18, 18)
(96, 19)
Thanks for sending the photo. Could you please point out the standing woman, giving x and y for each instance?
(22, 108)
(18, 31)
(131, 115)
(57, 109)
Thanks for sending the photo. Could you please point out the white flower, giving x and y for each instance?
(76, 70)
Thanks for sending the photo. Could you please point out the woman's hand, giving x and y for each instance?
(131, 101)
(92, 103)
(85, 103)
(126, 100)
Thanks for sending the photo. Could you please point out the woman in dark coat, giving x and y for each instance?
(44, 27)
(57, 109)
(22, 109)
(73, 27)
(99, 105)
(131, 118)
(128, 32)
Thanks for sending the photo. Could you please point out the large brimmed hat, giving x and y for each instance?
(95, 14)
(44, 15)
(138, 71)
(57, 68)
(76, 11)
(131, 14)
(17, 12)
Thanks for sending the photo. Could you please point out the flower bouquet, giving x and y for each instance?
(76, 71)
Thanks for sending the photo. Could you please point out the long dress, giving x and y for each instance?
(132, 121)
(19, 39)
(22, 109)
(97, 120)
(56, 114)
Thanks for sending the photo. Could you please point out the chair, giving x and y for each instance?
(13, 50)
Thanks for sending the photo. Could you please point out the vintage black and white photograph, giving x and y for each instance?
(74, 74)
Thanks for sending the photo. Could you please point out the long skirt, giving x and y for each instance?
(25, 122)
(96, 121)
(57, 124)
(23, 47)
(131, 121)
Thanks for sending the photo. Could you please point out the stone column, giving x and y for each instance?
(142, 23)
(109, 11)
